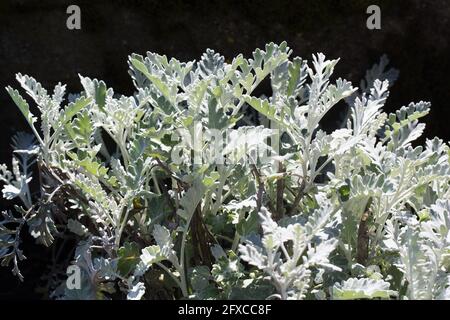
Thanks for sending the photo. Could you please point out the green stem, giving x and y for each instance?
(182, 257)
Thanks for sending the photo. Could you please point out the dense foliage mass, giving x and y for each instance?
(195, 188)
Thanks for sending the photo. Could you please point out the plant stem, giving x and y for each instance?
(177, 281)
(280, 193)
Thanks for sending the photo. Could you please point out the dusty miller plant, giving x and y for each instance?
(356, 213)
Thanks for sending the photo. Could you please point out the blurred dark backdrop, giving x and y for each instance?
(34, 40)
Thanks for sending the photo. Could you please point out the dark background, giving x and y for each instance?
(34, 40)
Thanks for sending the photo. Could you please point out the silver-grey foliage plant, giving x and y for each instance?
(114, 185)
